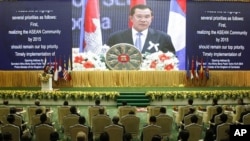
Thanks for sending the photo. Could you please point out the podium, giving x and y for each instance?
(47, 86)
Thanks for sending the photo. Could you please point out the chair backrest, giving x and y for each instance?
(92, 111)
(195, 131)
(18, 120)
(43, 131)
(61, 112)
(73, 130)
(99, 122)
(187, 119)
(131, 124)
(13, 130)
(4, 111)
(36, 120)
(211, 110)
(149, 131)
(246, 119)
(222, 131)
(115, 132)
(124, 110)
(32, 111)
(153, 110)
(238, 110)
(68, 121)
(217, 119)
(165, 122)
(182, 110)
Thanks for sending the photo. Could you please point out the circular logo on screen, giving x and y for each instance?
(123, 57)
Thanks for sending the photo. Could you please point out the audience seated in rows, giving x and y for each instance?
(82, 121)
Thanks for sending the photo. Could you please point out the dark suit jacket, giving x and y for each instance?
(155, 36)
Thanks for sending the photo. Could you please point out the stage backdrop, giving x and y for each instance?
(210, 34)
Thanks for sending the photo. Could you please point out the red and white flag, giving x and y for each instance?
(132, 4)
(91, 36)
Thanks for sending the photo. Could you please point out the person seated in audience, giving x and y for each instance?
(215, 102)
(7, 136)
(37, 102)
(209, 135)
(102, 111)
(73, 110)
(26, 137)
(190, 102)
(247, 110)
(97, 102)
(11, 120)
(81, 136)
(127, 137)
(65, 103)
(104, 136)
(194, 119)
(240, 101)
(5, 102)
(156, 138)
(82, 121)
(163, 111)
(13, 111)
(152, 121)
(39, 111)
(115, 121)
(223, 119)
(54, 136)
(219, 110)
(191, 111)
(124, 103)
(183, 135)
(43, 120)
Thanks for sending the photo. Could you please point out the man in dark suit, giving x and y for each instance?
(150, 40)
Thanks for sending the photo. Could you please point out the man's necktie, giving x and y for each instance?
(138, 41)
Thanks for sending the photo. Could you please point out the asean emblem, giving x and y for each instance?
(123, 57)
